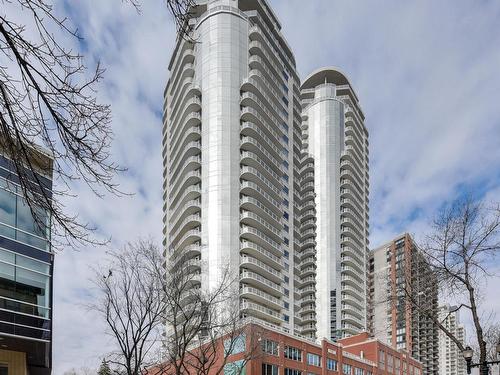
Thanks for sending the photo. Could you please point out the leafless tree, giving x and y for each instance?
(131, 302)
(139, 302)
(48, 98)
(182, 12)
(204, 328)
(460, 251)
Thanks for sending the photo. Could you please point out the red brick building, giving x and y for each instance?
(279, 353)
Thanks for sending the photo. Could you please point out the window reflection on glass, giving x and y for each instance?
(24, 290)
(17, 221)
(7, 207)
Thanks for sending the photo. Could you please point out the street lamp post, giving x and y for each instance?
(468, 353)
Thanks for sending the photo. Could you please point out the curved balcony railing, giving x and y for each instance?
(192, 163)
(353, 310)
(190, 149)
(191, 105)
(260, 311)
(193, 119)
(253, 115)
(309, 270)
(353, 262)
(305, 215)
(260, 296)
(308, 308)
(307, 186)
(309, 252)
(351, 287)
(308, 224)
(253, 278)
(347, 174)
(307, 177)
(191, 134)
(249, 128)
(309, 261)
(188, 208)
(352, 319)
(349, 183)
(245, 141)
(190, 178)
(351, 203)
(188, 223)
(187, 91)
(353, 224)
(258, 252)
(190, 193)
(352, 272)
(251, 159)
(353, 252)
(187, 71)
(252, 189)
(257, 62)
(189, 238)
(256, 221)
(344, 155)
(348, 240)
(261, 239)
(353, 298)
(257, 48)
(177, 258)
(309, 196)
(308, 318)
(256, 205)
(253, 175)
(250, 99)
(260, 267)
(186, 55)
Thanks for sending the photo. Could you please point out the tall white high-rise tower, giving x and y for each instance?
(249, 187)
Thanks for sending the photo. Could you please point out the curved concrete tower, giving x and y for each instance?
(336, 140)
(263, 178)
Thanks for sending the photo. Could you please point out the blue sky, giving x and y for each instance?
(427, 77)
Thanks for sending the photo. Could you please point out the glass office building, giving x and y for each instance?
(26, 265)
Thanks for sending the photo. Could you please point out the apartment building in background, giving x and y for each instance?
(26, 268)
(399, 278)
(265, 175)
(451, 360)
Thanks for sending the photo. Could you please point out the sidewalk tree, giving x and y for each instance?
(139, 302)
(461, 249)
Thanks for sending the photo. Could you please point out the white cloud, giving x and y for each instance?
(427, 77)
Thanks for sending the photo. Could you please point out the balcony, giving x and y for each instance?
(256, 221)
(255, 205)
(262, 268)
(253, 160)
(260, 311)
(189, 238)
(259, 281)
(188, 208)
(253, 175)
(262, 144)
(259, 296)
(258, 252)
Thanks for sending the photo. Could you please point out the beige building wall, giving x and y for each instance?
(15, 361)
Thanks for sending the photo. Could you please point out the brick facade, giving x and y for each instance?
(356, 355)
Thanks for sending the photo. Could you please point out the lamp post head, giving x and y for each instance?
(468, 353)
